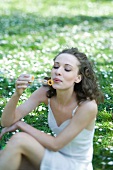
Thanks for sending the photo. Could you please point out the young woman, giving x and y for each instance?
(72, 102)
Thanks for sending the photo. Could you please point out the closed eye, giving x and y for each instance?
(67, 70)
(56, 67)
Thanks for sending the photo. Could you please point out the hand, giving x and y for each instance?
(22, 83)
(9, 129)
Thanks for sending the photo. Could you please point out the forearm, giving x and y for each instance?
(44, 139)
(8, 114)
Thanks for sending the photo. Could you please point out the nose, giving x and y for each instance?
(58, 71)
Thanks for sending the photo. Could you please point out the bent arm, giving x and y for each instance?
(85, 115)
(8, 114)
(44, 139)
(83, 118)
(12, 113)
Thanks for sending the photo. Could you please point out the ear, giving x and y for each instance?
(78, 78)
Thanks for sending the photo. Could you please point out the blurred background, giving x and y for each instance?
(32, 32)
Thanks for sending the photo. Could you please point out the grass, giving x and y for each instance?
(33, 32)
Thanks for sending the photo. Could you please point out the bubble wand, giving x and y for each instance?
(43, 81)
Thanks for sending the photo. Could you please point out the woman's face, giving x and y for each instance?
(65, 71)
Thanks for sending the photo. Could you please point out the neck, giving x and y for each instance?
(64, 97)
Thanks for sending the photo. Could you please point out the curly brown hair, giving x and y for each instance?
(87, 88)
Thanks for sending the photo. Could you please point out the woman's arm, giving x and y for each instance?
(12, 113)
(84, 116)
(8, 114)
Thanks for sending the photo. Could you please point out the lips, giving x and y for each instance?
(57, 80)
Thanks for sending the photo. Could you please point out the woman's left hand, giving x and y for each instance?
(11, 128)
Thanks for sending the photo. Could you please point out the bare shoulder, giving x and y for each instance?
(40, 94)
(85, 115)
(89, 106)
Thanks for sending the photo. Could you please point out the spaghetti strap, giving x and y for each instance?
(48, 101)
(73, 112)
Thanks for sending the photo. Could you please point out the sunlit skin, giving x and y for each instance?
(31, 142)
(65, 68)
(65, 74)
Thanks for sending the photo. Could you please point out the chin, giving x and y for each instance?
(57, 87)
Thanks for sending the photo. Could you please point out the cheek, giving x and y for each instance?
(52, 73)
(70, 78)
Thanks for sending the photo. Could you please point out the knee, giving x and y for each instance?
(19, 135)
(18, 138)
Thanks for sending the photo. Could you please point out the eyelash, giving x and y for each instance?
(56, 67)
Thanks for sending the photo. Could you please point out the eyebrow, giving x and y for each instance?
(65, 64)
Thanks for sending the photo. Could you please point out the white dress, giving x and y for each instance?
(77, 155)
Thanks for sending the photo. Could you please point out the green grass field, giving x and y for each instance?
(32, 32)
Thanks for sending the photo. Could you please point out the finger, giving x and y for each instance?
(24, 76)
(22, 86)
(21, 82)
(24, 79)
